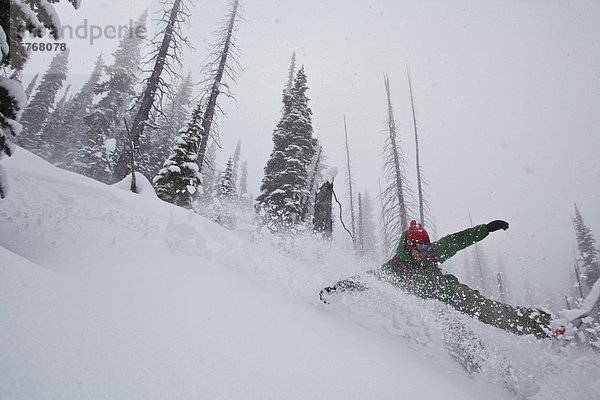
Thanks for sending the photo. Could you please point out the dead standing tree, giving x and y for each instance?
(350, 184)
(322, 219)
(224, 64)
(394, 203)
(166, 56)
(418, 155)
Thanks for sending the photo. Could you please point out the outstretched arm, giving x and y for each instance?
(451, 244)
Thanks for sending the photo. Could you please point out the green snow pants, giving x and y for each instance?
(517, 320)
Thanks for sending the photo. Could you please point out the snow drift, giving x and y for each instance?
(108, 294)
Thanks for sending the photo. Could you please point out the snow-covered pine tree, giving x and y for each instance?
(12, 101)
(394, 199)
(284, 184)
(178, 181)
(589, 260)
(31, 85)
(73, 130)
(226, 187)
(243, 188)
(104, 124)
(224, 209)
(16, 18)
(177, 111)
(52, 146)
(291, 72)
(210, 175)
(236, 163)
(34, 16)
(41, 105)
(158, 140)
(168, 44)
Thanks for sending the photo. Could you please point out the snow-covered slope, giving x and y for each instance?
(105, 294)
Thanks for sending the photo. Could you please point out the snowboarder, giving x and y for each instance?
(415, 269)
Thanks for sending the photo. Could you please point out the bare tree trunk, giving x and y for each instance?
(152, 86)
(350, 191)
(322, 220)
(211, 106)
(396, 158)
(387, 241)
(306, 201)
(419, 181)
(361, 227)
(132, 146)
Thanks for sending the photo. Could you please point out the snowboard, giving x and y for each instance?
(575, 325)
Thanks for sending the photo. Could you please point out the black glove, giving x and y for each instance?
(496, 225)
(325, 293)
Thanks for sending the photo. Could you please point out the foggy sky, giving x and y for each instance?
(507, 96)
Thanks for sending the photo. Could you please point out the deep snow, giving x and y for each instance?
(105, 294)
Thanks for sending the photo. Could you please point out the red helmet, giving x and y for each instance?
(416, 233)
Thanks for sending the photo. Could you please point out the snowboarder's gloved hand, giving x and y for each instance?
(496, 225)
(325, 293)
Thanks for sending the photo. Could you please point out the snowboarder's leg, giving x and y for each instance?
(517, 320)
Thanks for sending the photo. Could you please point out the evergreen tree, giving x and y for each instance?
(40, 107)
(105, 122)
(16, 18)
(226, 188)
(236, 163)
(224, 209)
(31, 85)
(33, 16)
(291, 72)
(12, 101)
(52, 146)
(168, 42)
(243, 189)
(158, 140)
(284, 185)
(210, 176)
(73, 130)
(589, 261)
(178, 181)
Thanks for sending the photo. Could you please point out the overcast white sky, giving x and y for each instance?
(507, 96)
